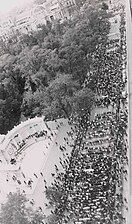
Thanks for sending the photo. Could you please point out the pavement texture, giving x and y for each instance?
(39, 158)
(49, 167)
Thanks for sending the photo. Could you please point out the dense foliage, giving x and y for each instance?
(17, 211)
(42, 73)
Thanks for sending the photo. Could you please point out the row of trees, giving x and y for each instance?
(42, 73)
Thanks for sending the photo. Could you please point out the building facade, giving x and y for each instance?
(27, 20)
(6, 26)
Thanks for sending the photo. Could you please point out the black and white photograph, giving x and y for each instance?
(65, 111)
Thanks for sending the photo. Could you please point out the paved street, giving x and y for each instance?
(48, 168)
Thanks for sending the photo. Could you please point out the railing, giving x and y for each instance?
(32, 139)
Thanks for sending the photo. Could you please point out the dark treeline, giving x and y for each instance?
(42, 73)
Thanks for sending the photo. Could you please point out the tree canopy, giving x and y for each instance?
(43, 72)
(17, 211)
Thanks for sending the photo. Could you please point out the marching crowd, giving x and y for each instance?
(92, 183)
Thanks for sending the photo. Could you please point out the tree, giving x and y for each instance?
(82, 101)
(58, 95)
(52, 219)
(73, 61)
(41, 33)
(17, 211)
(37, 217)
(14, 211)
(62, 98)
(30, 64)
(28, 40)
(58, 28)
(80, 3)
(52, 41)
(53, 63)
(80, 41)
(29, 60)
(10, 106)
(54, 196)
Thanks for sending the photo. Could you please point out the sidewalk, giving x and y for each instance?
(42, 164)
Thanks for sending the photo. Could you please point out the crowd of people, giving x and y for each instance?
(93, 179)
(92, 185)
(106, 76)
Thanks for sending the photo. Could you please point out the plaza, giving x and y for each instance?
(34, 162)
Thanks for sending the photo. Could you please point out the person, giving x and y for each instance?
(35, 175)
(13, 161)
(41, 174)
